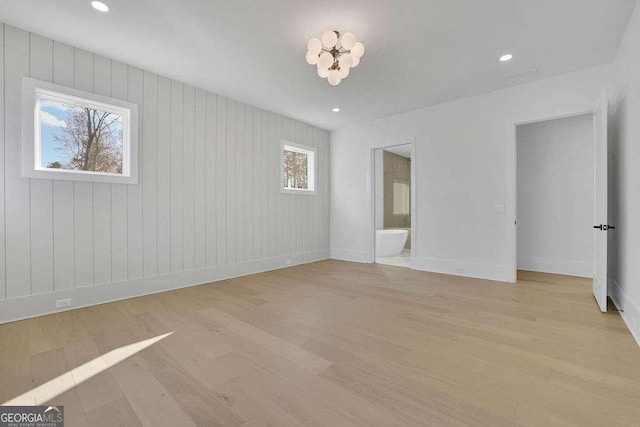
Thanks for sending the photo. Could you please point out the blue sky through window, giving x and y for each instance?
(53, 118)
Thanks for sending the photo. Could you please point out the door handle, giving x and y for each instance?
(604, 227)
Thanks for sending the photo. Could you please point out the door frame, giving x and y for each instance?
(414, 204)
(512, 183)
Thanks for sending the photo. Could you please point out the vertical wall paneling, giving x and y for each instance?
(230, 196)
(221, 181)
(119, 200)
(312, 218)
(297, 200)
(304, 204)
(188, 162)
(294, 220)
(299, 206)
(311, 212)
(281, 127)
(266, 180)
(249, 194)
(274, 191)
(63, 209)
(3, 284)
(288, 201)
(208, 195)
(149, 181)
(163, 181)
(210, 172)
(83, 191)
(283, 220)
(41, 68)
(200, 180)
(102, 191)
(313, 235)
(175, 160)
(255, 184)
(239, 183)
(135, 94)
(17, 226)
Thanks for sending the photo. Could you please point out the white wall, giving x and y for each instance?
(464, 156)
(208, 205)
(624, 267)
(555, 180)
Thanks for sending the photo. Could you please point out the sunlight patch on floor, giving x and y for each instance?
(76, 376)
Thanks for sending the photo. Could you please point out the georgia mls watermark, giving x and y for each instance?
(31, 416)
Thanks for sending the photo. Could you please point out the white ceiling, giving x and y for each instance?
(400, 150)
(419, 52)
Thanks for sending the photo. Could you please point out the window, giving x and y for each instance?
(298, 169)
(401, 198)
(74, 135)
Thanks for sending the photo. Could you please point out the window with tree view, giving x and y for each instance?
(75, 135)
(298, 169)
(80, 138)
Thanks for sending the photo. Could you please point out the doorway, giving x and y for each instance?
(600, 228)
(555, 187)
(394, 188)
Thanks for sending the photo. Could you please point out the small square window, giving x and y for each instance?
(74, 135)
(298, 169)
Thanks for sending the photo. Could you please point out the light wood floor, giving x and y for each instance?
(335, 343)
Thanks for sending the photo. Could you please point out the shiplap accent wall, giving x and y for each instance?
(208, 205)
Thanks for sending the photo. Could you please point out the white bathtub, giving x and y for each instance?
(390, 242)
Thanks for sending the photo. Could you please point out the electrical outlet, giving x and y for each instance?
(63, 303)
(460, 270)
(287, 262)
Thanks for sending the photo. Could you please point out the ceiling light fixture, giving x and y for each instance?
(336, 110)
(334, 54)
(99, 6)
(506, 57)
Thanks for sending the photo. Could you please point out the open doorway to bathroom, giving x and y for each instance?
(393, 205)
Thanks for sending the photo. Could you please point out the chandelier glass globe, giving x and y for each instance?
(323, 72)
(334, 55)
(334, 78)
(348, 40)
(314, 46)
(329, 38)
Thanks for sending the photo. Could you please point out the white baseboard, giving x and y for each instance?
(556, 266)
(476, 270)
(351, 255)
(13, 309)
(629, 309)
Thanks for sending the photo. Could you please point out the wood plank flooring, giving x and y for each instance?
(334, 343)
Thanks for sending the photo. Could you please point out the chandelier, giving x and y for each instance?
(335, 55)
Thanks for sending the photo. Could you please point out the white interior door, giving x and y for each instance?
(601, 227)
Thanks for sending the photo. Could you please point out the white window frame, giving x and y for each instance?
(33, 90)
(312, 161)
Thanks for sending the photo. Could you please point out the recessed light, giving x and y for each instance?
(99, 6)
(506, 57)
(336, 110)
